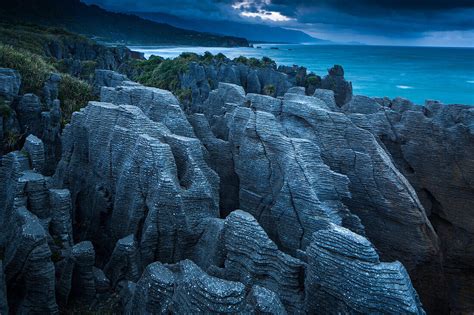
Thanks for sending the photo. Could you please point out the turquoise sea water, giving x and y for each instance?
(416, 73)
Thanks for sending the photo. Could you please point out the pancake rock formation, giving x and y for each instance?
(237, 202)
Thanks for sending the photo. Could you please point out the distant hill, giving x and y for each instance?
(252, 32)
(103, 25)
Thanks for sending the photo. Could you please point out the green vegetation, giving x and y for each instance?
(73, 94)
(269, 90)
(184, 95)
(33, 68)
(256, 63)
(11, 140)
(37, 39)
(5, 109)
(165, 73)
(312, 80)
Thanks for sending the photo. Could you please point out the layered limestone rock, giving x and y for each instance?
(159, 105)
(130, 175)
(28, 115)
(154, 291)
(432, 146)
(141, 208)
(253, 259)
(289, 207)
(29, 271)
(264, 301)
(344, 275)
(381, 195)
(201, 79)
(201, 293)
(10, 81)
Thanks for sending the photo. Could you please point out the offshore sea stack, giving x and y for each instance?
(240, 203)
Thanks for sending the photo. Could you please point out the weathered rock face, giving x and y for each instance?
(28, 114)
(10, 81)
(159, 105)
(290, 207)
(424, 141)
(202, 79)
(335, 81)
(272, 139)
(130, 175)
(143, 207)
(345, 276)
(253, 259)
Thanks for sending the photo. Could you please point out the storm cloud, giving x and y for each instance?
(422, 22)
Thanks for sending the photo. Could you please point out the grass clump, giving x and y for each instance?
(33, 68)
(74, 94)
(5, 109)
(269, 90)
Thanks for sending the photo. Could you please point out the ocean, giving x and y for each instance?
(415, 73)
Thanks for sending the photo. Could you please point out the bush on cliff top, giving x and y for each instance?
(33, 68)
(74, 94)
(165, 73)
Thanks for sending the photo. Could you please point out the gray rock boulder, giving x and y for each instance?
(124, 263)
(344, 275)
(195, 291)
(280, 180)
(10, 81)
(34, 147)
(253, 259)
(108, 78)
(28, 266)
(154, 291)
(265, 301)
(61, 221)
(432, 146)
(131, 175)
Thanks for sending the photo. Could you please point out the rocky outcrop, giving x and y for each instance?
(116, 193)
(423, 141)
(154, 291)
(10, 81)
(201, 79)
(253, 259)
(142, 206)
(197, 291)
(335, 81)
(28, 114)
(345, 276)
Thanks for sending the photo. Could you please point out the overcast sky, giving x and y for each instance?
(402, 22)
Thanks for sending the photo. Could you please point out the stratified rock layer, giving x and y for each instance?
(345, 276)
(432, 146)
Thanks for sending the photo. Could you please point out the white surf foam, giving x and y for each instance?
(404, 87)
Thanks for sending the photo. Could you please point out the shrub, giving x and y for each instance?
(33, 68)
(74, 94)
(313, 80)
(269, 90)
(184, 95)
(164, 75)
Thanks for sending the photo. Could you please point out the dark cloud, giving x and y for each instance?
(382, 18)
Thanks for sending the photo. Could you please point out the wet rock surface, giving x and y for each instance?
(240, 202)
